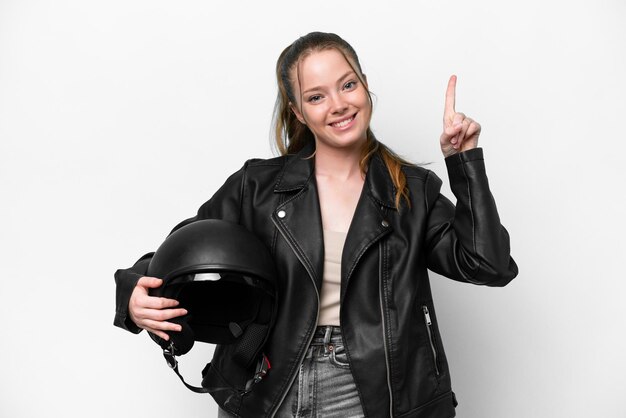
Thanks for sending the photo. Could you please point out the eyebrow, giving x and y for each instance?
(343, 77)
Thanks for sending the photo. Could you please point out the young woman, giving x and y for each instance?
(353, 229)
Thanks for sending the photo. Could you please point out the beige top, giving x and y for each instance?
(331, 283)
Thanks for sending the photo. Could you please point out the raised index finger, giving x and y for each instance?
(450, 98)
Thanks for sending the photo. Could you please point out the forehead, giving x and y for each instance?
(321, 68)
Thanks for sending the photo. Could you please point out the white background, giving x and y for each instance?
(119, 118)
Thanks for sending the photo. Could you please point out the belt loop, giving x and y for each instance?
(327, 345)
(327, 334)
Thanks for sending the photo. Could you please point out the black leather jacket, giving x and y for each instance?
(387, 315)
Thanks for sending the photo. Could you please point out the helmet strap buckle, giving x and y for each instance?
(170, 358)
(263, 367)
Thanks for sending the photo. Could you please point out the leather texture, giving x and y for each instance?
(388, 319)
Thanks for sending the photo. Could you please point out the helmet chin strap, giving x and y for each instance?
(171, 361)
(263, 367)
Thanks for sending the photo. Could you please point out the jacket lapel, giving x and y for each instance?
(299, 220)
(298, 217)
(370, 221)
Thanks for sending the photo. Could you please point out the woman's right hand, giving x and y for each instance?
(150, 312)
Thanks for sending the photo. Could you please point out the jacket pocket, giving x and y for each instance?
(431, 337)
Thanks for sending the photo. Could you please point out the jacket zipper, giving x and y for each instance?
(317, 294)
(382, 314)
(429, 325)
(293, 377)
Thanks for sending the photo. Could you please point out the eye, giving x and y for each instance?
(315, 98)
(349, 85)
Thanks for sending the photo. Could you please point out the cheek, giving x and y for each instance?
(366, 108)
(367, 102)
(364, 101)
(315, 115)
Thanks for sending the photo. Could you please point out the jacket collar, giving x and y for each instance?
(300, 167)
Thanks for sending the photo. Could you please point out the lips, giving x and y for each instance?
(343, 122)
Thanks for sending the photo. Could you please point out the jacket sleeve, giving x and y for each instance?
(467, 242)
(225, 204)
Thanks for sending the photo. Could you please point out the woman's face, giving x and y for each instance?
(333, 103)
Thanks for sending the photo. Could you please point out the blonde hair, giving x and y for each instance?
(291, 136)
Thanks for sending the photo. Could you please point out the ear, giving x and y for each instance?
(297, 112)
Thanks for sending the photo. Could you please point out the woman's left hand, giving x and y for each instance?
(460, 133)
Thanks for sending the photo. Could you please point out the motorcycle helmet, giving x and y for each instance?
(225, 278)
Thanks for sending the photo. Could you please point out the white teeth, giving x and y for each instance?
(343, 123)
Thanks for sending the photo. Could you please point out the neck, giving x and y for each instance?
(340, 164)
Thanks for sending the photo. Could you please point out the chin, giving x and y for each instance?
(343, 143)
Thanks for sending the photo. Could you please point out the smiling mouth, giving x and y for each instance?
(343, 123)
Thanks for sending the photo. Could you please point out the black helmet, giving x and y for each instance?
(225, 278)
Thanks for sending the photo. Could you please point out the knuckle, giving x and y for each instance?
(160, 303)
(151, 324)
(161, 315)
(140, 303)
(150, 315)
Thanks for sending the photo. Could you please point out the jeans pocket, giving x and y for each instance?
(339, 358)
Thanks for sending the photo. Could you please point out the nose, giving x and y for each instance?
(338, 104)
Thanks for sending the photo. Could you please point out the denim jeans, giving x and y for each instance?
(324, 386)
